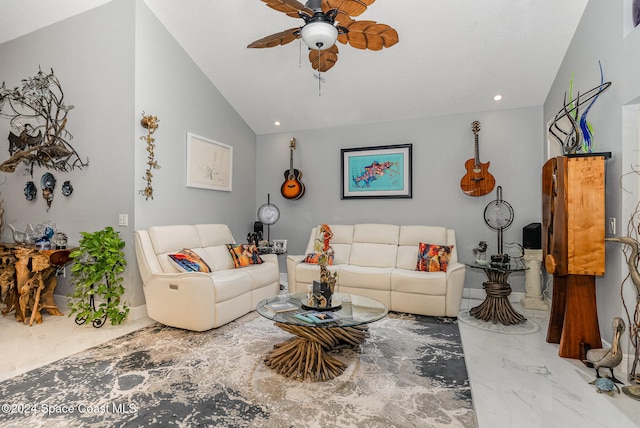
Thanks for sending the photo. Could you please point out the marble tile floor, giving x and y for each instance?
(517, 380)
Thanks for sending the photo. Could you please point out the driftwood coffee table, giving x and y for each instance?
(308, 354)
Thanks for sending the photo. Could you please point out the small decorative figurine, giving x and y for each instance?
(67, 188)
(48, 183)
(30, 191)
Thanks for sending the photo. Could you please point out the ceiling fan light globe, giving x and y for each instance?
(319, 35)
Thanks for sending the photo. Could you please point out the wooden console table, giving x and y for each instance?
(28, 280)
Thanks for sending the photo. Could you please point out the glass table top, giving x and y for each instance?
(514, 265)
(355, 310)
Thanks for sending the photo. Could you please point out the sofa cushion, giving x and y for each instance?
(263, 275)
(189, 261)
(416, 282)
(373, 278)
(217, 256)
(229, 284)
(244, 255)
(373, 255)
(433, 258)
(166, 239)
(376, 233)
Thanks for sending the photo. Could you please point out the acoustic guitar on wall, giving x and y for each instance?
(292, 188)
(478, 181)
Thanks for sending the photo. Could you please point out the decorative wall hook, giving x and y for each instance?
(150, 123)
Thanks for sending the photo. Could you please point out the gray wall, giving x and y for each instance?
(115, 62)
(600, 37)
(510, 139)
(95, 66)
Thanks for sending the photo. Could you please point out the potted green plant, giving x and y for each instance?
(97, 276)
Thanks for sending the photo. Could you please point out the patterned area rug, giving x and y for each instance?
(410, 373)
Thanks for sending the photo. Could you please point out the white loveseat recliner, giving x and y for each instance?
(379, 261)
(196, 300)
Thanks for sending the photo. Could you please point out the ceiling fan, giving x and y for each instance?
(326, 21)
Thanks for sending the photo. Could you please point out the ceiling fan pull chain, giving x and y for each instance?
(319, 76)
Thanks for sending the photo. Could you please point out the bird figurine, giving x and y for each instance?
(609, 358)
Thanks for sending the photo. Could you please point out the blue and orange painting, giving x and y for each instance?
(376, 172)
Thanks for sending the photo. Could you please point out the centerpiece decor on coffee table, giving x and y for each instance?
(321, 295)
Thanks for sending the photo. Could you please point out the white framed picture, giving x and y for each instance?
(280, 245)
(209, 163)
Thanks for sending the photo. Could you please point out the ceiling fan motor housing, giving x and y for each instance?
(319, 35)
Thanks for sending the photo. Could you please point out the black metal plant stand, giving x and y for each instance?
(98, 322)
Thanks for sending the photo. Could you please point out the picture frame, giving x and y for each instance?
(280, 245)
(377, 172)
(209, 163)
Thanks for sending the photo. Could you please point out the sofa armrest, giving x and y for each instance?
(183, 300)
(270, 258)
(292, 262)
(455, 286)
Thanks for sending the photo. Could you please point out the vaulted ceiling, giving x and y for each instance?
(452, 57)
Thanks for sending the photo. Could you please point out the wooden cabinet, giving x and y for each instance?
(573, 231)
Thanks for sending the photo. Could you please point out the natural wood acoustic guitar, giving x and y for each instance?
(292, 188)
(478, 181)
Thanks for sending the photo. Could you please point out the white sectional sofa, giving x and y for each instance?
(379, 261)
(196, 300)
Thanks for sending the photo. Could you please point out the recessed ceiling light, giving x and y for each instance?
(276, 123)
(497, 97)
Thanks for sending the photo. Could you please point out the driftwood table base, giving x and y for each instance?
(28, 281)
(307, 356)
(496, 306)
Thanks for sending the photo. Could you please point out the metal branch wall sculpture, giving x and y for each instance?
(577, 133)
(151, 124)
(36, 110)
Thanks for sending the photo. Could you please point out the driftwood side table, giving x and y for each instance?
(28, 280)
(496, 306)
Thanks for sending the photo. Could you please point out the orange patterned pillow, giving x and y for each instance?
(433, 258)
(314, 257)
(244, 255)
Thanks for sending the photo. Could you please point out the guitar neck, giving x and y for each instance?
(291, 160)
(477, 151)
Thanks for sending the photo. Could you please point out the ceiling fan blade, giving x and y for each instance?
(325, 59)
(343, 19)
(369, 35)
(277, 39)
(289, 7)
(349, 7)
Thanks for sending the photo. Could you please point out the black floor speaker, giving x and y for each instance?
(532, 236)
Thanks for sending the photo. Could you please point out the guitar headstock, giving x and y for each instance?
(292, 143)
(475, 127)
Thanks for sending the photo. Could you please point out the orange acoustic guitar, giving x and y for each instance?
(292, 188)
(478, 181)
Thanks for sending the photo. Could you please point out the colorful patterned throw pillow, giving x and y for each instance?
(433, 258)
(244, 255)
(188, 261)
(314, 257)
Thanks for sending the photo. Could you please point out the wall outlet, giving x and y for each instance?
(123, 220)
(612, 225)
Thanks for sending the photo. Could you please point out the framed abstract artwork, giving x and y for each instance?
(377, 172)
(209, 163)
